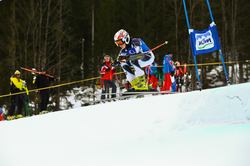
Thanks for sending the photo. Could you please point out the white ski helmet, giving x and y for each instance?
(17, 72)
(121, 37)
(177, 63)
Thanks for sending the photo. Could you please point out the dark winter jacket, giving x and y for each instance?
(43, 81)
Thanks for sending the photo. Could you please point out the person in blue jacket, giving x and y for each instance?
(168, 70)
(131, 47)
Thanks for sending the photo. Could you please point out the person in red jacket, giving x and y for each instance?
(178, 73)
(1, 117)
(107, 72)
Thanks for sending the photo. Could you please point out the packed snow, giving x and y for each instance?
(200, 128)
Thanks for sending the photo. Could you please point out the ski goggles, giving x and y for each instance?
(106, 56)
(119, 42)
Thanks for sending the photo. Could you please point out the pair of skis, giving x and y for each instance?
(37, 72)
(125, 95)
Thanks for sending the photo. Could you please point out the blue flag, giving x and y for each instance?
(204, 41)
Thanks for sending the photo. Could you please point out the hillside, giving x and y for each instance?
(211, 127)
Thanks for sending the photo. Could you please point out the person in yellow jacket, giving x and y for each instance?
(17, 85)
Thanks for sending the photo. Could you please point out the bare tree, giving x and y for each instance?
(233, 36)
(177, 6)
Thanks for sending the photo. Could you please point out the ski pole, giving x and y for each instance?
(54, 74)
(148, 75)
(166, 42)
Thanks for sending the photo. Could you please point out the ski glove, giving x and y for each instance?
(114, 70)
(172, 73)
(24, 84)
(108, 69)
(116, 63)
(126, 57)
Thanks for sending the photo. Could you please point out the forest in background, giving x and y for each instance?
(72, 36)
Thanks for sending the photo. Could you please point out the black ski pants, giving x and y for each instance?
(104, 88)
(44, 95)
(16, 100)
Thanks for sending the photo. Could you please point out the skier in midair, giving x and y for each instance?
(130, 47)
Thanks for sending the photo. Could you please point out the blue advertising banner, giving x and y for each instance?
(204, 41)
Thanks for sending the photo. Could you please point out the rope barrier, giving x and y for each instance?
(69, 83)
(215, 63)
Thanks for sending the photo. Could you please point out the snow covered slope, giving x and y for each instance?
(211, 127)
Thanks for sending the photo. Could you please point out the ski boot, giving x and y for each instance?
(141, 84)
(19, 116)
(114, 100)
(133, 85)
(44, 112)
(11, 117)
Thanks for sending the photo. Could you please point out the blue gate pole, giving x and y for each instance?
(197, 73)
(228, 83)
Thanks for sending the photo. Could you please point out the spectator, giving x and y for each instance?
(173, 79)
(43, 81)
(153, 80)
(178, 73)
(160, 76)
(107, 72)
(1, 117)
(168, 72)
(17, 85)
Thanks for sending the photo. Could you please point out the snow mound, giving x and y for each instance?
(209, 127)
